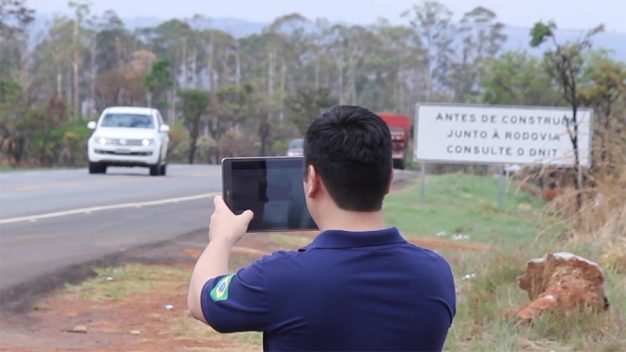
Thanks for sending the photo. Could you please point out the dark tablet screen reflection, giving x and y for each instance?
(273, 190)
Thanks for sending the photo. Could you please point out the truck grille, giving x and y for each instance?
(123, 141)
(112, 152)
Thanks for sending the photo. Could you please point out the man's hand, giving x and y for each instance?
(225, 226)
(225, 230)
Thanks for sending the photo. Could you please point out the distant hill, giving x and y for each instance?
(517, 38)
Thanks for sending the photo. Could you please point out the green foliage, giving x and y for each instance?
(264, 88)
(280, 146)
(194, 104)
(231, 106)
(10, 96)
(160, 77)
(540, 32)
(307, 104)
(10, 91)
(518, 79)
(56, 143)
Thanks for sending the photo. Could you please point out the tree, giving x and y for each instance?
(125, 85)
(565, 66)
(158, 82)
(516, 78)
(172, 40)
(193, 105)
(307, 104)
(482, 37)
(431, 22)
(605, 86)
(14, 17)
(230, 106)
(11, 109)
(113, 42)
(80, 13)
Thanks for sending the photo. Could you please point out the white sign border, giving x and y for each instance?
(438, 161)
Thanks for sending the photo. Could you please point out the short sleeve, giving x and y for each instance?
(236, 302)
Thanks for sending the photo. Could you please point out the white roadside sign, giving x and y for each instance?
(489, 134)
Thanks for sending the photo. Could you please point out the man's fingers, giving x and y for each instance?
(218, 201)
(220, 205)
(247, 215)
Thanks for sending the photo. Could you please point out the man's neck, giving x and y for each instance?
(339, 219)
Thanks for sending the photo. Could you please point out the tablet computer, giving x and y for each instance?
(272, 187)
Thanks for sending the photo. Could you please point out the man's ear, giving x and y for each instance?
(390, 182)
(312, 183)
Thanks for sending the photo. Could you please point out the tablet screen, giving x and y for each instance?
(272, 188)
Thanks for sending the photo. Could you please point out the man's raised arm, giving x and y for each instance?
(225, 230)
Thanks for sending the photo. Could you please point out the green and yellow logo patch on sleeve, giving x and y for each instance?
(220, 291)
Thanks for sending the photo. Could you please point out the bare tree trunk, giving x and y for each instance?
(283, 79)
(59, 93)
(25, 61)
(341, 88)
(75, 64)
(94, 70)
(118, 52)
(209, 68)
(429, 79)
(353, 98)
(396, 91)
(237, 66)
(173, 103)
(317, 71)
(270, 73)
(194, 81)
(67, 80)
(184, 64)
(225, 68)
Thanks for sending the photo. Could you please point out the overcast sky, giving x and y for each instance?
(568, 14)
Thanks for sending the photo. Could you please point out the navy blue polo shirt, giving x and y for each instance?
(363, 291)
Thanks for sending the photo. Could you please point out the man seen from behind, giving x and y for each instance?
(359, 285)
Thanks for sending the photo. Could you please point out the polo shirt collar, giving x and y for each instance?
(349, 239)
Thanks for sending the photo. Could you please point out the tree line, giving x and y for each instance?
(229, 96)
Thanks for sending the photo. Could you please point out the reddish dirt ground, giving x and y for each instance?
(63, 321)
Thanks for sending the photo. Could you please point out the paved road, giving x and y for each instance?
(52, 219)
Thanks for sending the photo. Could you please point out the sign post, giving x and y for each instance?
(501, 188)
(423, 183)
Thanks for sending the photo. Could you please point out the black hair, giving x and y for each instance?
(350, 147)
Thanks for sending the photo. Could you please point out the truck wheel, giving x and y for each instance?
(398, 164)
(154, 170)
(163, 170)
(96, 168)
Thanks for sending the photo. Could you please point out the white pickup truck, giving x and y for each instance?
(128, 136)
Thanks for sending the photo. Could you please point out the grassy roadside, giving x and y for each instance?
(462, 208)
(459, 213)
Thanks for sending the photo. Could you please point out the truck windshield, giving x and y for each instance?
(127, 121)
(296, 143)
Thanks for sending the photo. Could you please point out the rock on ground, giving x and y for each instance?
(561, 281)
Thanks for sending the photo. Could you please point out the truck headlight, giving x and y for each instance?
(101, 140)
(146, 142)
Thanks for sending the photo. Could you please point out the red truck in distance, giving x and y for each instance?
(400, 127)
